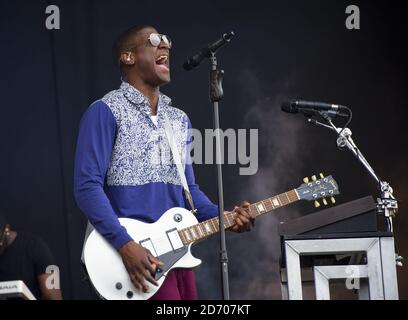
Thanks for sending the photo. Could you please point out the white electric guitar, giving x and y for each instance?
(171, 237)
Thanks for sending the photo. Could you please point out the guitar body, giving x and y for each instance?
(105, 267)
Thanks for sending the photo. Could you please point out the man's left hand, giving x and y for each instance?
(245, 220)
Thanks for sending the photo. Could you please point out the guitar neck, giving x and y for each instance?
(204, 229)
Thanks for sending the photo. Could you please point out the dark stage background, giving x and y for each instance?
(283, 49)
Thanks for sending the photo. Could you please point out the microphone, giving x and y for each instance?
(306, 107)
(195, 60)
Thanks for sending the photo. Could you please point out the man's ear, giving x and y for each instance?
(127, 58)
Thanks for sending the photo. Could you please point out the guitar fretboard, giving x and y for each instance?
(211, 226)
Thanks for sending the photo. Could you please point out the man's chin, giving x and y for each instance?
(164, 80)
(163, 74)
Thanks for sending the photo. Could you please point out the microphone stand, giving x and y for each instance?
(216, 95)
(386, 204)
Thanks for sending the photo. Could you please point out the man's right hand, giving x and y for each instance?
(140, 264)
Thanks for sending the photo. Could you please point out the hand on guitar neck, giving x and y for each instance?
(140, 264)
(244, 218)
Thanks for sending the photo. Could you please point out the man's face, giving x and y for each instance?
(151, 63)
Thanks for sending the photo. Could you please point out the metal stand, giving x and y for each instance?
(387, 204)
(380, 269)
(216, 95)
(381, 259)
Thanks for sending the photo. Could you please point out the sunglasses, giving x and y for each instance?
(155, 39)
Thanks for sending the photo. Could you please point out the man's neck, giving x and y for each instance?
(151, 93)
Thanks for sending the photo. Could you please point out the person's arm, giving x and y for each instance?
(46, 270)
(48, 293)
(93, 152)
(94, 148)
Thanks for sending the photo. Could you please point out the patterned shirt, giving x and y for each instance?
(124, 167)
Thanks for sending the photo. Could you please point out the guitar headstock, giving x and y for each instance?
(315, 189)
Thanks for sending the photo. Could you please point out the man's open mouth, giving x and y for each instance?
(163, 61)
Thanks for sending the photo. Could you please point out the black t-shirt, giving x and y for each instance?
(25, 259)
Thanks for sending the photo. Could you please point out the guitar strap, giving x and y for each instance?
(177, 161)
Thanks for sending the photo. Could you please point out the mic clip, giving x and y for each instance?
(328, 115)
(216, 90)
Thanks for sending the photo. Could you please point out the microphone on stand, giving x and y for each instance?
(308, 108)
(195, 60)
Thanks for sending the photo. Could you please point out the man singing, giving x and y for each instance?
(118, 172)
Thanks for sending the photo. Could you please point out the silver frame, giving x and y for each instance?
(323, 275)
(381, 268)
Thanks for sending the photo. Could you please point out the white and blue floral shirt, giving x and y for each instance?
(120, 164)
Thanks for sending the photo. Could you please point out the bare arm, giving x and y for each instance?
(48, 293)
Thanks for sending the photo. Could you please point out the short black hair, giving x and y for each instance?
(125, 40)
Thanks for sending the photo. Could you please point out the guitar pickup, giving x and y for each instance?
(174, 239)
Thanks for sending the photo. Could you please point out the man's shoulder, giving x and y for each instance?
(97, 109)
(112, 98)
(107, 104)
(98, 104)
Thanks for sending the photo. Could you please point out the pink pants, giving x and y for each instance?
(179, 285)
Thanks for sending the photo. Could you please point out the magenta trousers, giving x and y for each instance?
(179, 285)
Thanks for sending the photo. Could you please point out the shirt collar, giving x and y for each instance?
(140, 100)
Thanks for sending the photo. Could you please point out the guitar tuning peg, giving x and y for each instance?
(324, 201)
(333, 200)
(314, 178)
(306, 180)
(321, 175)
(316, 204)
